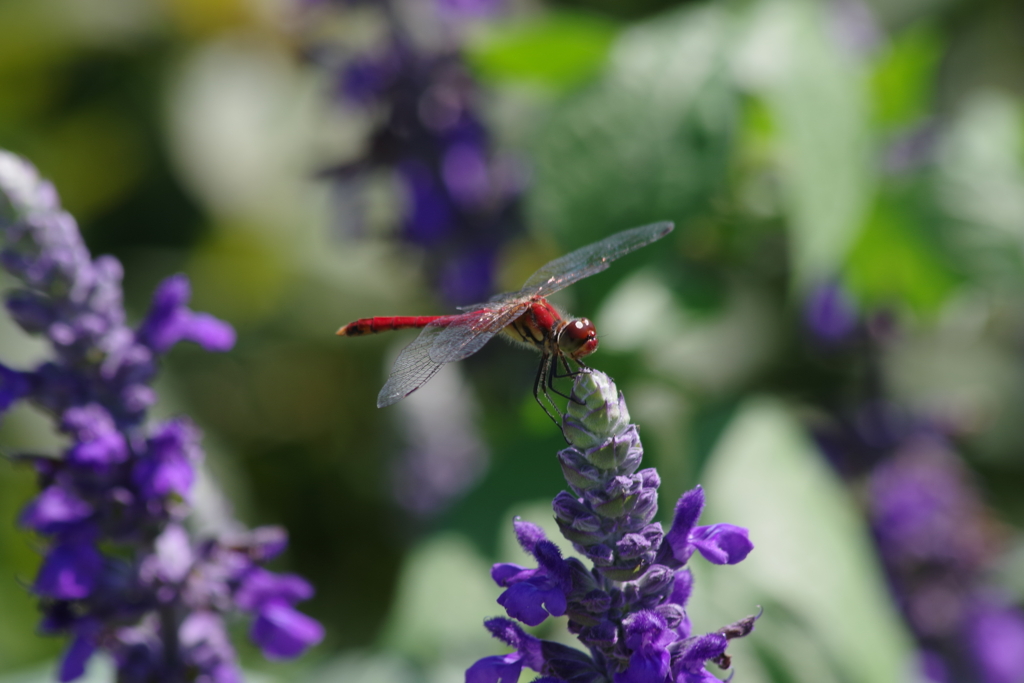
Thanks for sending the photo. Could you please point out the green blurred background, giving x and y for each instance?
(794, 143)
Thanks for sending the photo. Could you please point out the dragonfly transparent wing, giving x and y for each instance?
(444, 341)
(591, 259)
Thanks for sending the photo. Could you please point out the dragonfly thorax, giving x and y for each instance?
(577, 338)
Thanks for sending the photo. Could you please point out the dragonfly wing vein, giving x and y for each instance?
(412, 369)
(591, 259)
(475, 329)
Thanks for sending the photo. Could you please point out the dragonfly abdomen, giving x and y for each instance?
(363, 326)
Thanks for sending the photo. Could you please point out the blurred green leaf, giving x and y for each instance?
(818, 102)
(812, 567)
(893, 263)
(979, 187)
(649, 141)
(558, 49)
(903, 77)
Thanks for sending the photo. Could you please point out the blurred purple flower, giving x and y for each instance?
(629, 610)
(995, 639)
(937, 542)
(459, 203)
(153, 598)
(830, 314)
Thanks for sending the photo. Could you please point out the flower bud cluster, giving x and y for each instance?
(629, 608)
(120, 571)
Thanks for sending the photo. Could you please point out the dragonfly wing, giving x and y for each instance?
(455, 338)
(412, 369)
(591, 259)
(473, 330)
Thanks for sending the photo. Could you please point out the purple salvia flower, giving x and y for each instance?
(170, 321)
(936, 541)
(629, 609)
(533, 594)
(461, 201)
(156, 603)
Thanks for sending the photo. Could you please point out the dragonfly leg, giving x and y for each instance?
(569, 372)
(540, 388)
(552, 375)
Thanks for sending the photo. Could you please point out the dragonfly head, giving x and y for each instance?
(578, 338)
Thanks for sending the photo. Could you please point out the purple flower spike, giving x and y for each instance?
(156, 603)
(629, 610)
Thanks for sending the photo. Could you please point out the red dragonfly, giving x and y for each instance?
(525, 317)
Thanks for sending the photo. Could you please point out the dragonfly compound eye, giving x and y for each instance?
(578, 338)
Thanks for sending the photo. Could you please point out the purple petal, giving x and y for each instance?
(75, 658)
(70, 571)
(14, 386)
(504, 572)
(54, 508)
(995, 636)
(170, 321)
(226, 672)
(703, 648)
(428, 214)
(645, 667)
(528, 534)
(531, 604)
(648, 636)
(687, 513)
(175, 291)
(496, 669)
(682, 588)
(283, 632)
(209, 332)
(466, 173)
(261, 587)
(99, 442)
(722, 543)
(106, 449)
(510, 633)
(268, 541)
(174, 553)
(646, 629)
(168, 464)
